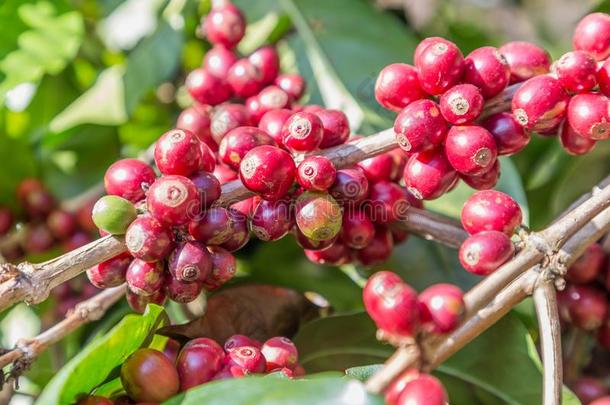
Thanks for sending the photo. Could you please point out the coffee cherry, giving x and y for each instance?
(248, 358)
(461, 104)
(148, 376)
(267, 61)
(246, 206)
(574, 143)
(540, 103)
(36, 200)
(178, 152)
(576, 71)
(487, 69)
(236, 341)
(440, 66)
(208, 188)
(240, 233)
(350, 187)
(144, 278)
(397, 86)
(271, 220)
(601, 401)
(225, 26)
(379, 250)
(148, 240)
(128, 178)
(588, 389)
(139, 302)
(510, 137)
(603, 334)
(270, 98)
(76, 240)
(280, 352)
(273, 122)
(223, 268)
(425, 389)
(245, 79)
(334, 255)
(198, 361)
(484, 252)
(62, 224)
(302, 132)
(336, 127)
(428, 175)
(316, 173)
(240, 141)
(113, 214)
(420, 126)
(423, 44)
(207, 88)
(484, 181)
(441, 308)
(213, 228)
(392, 304)
(94, 400)
(38, 239)
(180, 291)
(309, 244)
(470, 149)
(110, 273)
(318, 215)
(219, 60)
(173, 200)
(387, 202)
(589, 115)
(585, 306)
(491, 210)
(226, 118)
(525, 60)
(603, 78)
(292, 83)
(197, 120)
(592, 35)
(6, 220)
(268, 171)
(357, 230)
(392, 393)
(190, 262)
(382, 167)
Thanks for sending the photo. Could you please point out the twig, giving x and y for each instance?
(434, 227)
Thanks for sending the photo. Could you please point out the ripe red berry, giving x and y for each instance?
(603, 78)
(392, 393)
(240, 233)
(576, 71)
(273, 122)
(267, 61)
(149, 376)
(334, 255)
(461, 104)
(139, 302)
(208, 188)
(35, 199)
(207, 88)
(509, 136)
(240, 141)
(316, 173)
(357, 230)
(425, 389)
(423, 44)
(223, 268)
(485, 251)
(173, 200)
(271, 220)
(180, 291)
(592, 35)
(387, 203)
(588, 266)
(484, 181)
(110, 273)
(270, 98)
(470, 149)
(268, 171)
(213, 227)
(189, 262)
(62, 224)
(245, 79)
(428, 175)
(38, 238)
(128, 178)
(603, 334)
(572, 142)
(236, 341)
(219, 60)
(248, 358)
(224, 173)
(292, 83)
(198, 361)
(178, 152)
(487, 69)
(225, 25)
(197, 120)
(397, 86)
(382, 167)
(148, 240)
(379, 250)
(525, 60)
(589, 115)
(336, 127)
(350, 187)
(318, 215)
(144, 278)
(588, 389)
(585, 306)
(440, 66)
(491, 210)
(246, 206)
(420, 126)
(540, 103)
(302, 132)
(280, 352)
(441, 308)
(227, 117)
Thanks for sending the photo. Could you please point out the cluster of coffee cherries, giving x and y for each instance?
(416, 387)
(441, 123)
(490, 217)
(151, 376)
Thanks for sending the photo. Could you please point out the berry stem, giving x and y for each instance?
(352, 272)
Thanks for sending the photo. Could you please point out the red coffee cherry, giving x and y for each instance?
(484, 181)
(148, 376)
(525, 60)
(268, 171)
(425, 389)
(485, 251)
(387, 203)
(110, 273)
(440, 66)
(302, 132)
(603, 334)
(240, 141)
(198, 361)
(197, 120)
(76, 240)
(588, 389)
(470, 149)
(226, 118)
(379, 250)
(246, 206)
(219, 60)
(267, 61)
(236, 341)
(392, 393)
(397, 86)
(318, 215)
(291, 83)
(336, 127)
(144, 278)
(423, 44)
(6, 220)
(224, 173)
(62, 224)
(574, 143)
(245, 79)
(461, 104)
(223, 268)
(128, 178)
(190, 262)
(249, 358)
(357, 230)
(350, 187)
(180, 291)
(35, 199)
(148, 240)
(588, 266)
(442, 306)
(576, 71)
(420, 126)
(309, 244)
(386, 166)
(178, 152)
(487, 69)
(336, 254)
(139, 302)
(509, 136)
(392, 304)
(589, 115)
(428, 175)
(270, 98)
(603, 78)
(273, 122)
(240, 233)
(280, 352)
(540, 103)
(592, 35)
(208, 188)
(207, 88)
(225, 25)
(271, 220)
(585, 306)
(316, 173)
(38, 239)
(213, 228)
(491, 210)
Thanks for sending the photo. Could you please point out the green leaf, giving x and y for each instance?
(95, 363)
(363, 373)
(259, 390)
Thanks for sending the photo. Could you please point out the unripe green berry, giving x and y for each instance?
(113, 214)
(318, 216)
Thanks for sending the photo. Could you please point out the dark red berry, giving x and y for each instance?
(236, 341)
(225, 25)
(485, 251)
(148, 240)
(178, 152)
(268, 171)
(271, 220)
(270, 98)
(267, 61)
(213, 228)
(38, 238)
(592, 35)
(428, 175)
(510, 137)
(180, 291)
(540, 103)
(144, 278)
(357, 230)
(572, 142)
(334, 255)
(207, 88)
(525, 60)
(491, 210)
(484, 181)
(139, 302)
(189, 262)
(219, 60)
(208, 188)
(387, 203)
(350, 187)
(302, 132)
(292, 83)
(441, 308)
(423, 44)
(585, 306)
(6, 220)
(588, 266)
(470, 149)
(316, 173)
(603, 334)
(197, 120)
(381, 167)
(149, 376)
(487, 69)
(379, 250)
(224, 173)
(247, 206)
(248, 358)
(129, 178)
(420, 126)
(336, 127)
(226, 118)
(425, 389)
(280, 352)
(62, 224)
(318, 215)
(198, 361)
(223, 268)
(397, 86)
(589, 115)
(94, 400)
(245, 78)
(588, 389)
(273, 122)
(240, 234)
(392, 393)
(461, 104)
(576, 71)
(603, 78)
(173, 200)
(76, 240)
(240, 141)
(440, 66)
(110, 273)
(35, 199)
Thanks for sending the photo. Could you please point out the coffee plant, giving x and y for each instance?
(262, 202)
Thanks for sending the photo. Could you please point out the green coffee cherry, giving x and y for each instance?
(113, 214)
(318, 216)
